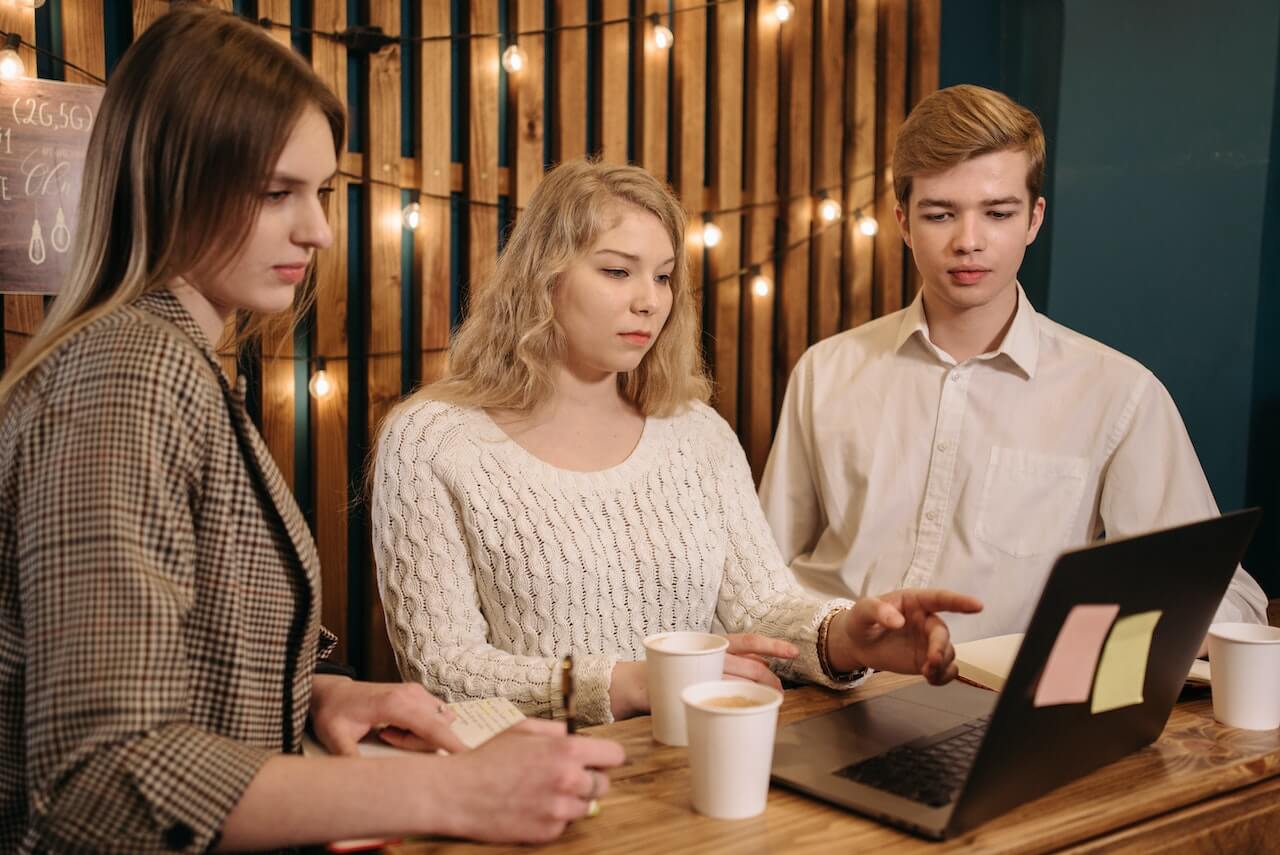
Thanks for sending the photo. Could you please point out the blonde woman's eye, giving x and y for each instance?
(277, 195)
(664, 278)
(615, 272)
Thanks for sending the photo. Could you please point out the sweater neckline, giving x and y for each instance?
(618, 475)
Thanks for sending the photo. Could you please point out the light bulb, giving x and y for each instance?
(761, 285)
(513, 59)
(784, 10)
(829, 210)
(663, 37)
(320, 385)
(11, 65)
(868, 225)
(711, 234)
(31, 4)
(411, 216)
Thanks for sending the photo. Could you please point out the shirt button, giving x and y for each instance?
(942, 446)
(931, 516)
(955, 375)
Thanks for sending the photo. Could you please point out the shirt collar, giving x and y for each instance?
(1021, 343)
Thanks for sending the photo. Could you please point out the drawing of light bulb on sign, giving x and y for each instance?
(60, 235)
(35, 249)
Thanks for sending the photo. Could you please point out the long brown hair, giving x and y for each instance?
(190, 128)
(505, 353)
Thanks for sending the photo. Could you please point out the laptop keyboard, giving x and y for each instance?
(930, 774)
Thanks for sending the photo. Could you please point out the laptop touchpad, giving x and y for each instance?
(864, 729)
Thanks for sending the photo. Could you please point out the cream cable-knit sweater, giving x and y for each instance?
(493, 564)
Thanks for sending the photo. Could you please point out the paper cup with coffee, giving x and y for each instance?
(1245, 663)
(675, 660)
(732, 724)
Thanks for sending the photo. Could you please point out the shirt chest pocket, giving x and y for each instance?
(1030, 500)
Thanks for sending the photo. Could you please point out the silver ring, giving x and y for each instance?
(595, 784)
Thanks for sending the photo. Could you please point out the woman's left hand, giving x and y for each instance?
(745, 657)
(344, 711)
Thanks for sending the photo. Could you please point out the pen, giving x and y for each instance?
(566, 693)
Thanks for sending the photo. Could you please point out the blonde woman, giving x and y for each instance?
(159, 590)
(566, 489)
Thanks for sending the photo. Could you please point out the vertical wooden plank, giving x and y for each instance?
(793, 284)
(432, 240)
(571, 81)
(926, 43)
(891, 110)
(615, 71)
(482, 166)
(691, 106)
(23, 313)
(278, 392)
(651, 95)
(726, 173)
(329, 415)
(762, 184)
(145, 13)
(382, 162)
(82, 40)
(860, 162)
(529, 107)
(828, 136)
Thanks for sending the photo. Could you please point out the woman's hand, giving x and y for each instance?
(526, 784)
(344, 711)
(745, 657)
(899, 631)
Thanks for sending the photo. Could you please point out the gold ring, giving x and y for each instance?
(593, 809)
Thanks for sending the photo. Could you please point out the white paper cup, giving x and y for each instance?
(730, 748)
(1245, 663)
(673, 661)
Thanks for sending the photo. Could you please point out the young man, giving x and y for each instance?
(966, 440)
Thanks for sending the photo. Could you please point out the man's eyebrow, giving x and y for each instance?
(1006, 200)
(935, 203)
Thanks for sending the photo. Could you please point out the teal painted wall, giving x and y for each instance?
(1164, 206)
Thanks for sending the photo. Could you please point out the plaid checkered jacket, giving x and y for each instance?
(159, 594)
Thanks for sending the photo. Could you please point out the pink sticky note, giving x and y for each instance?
(1068, 675)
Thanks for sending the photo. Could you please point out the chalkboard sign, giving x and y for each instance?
(44, 131)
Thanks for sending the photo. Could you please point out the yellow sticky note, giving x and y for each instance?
(1123, 668)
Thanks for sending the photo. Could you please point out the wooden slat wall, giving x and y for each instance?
(827, 91)
(22, 312)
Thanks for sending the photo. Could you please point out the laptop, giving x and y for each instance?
(938, 761)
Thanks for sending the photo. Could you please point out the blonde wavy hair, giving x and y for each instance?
(504, 355)
(177, 163)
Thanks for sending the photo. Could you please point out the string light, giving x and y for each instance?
(411, 216)
(321, 386)
(828, 209)
(663, 38)
(784, 10)
(711, 234)
(30, 4)
(760, 285)
(867, 225)
(513, 59)
(11, 65)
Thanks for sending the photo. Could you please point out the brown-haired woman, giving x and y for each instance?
(159, 590)
(566, 489)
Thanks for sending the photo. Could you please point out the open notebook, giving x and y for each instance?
(985, 662)
(477, 722)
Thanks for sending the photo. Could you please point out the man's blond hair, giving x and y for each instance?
(960, 123)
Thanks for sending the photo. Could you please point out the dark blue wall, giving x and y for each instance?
(1164, 206)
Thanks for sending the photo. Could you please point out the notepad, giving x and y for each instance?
(986, 662)
(477, 722)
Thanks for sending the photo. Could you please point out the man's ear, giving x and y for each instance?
(1037, 220)
(904, 225)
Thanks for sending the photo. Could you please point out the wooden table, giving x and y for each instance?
(1201, 787)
